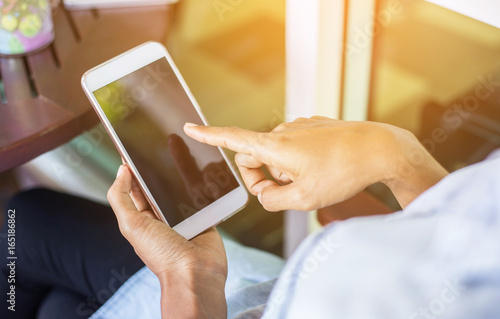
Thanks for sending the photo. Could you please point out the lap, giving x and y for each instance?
(69, 243)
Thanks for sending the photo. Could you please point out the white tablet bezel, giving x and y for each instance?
(127, 63)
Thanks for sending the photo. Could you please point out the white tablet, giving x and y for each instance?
(143, 102)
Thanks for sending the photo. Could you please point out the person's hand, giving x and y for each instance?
(192, 273)
(319, 162)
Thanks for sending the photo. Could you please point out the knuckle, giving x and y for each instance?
(306, 207)
(301, 119)
(266, 203)
(125, 229)
(280, 138)
(246, 161)
(229, 130)
(301, 198)
(110, 195)
(131, 225)
(228, 133)
(239, 159)
(318, 117)
(282, 127)
(254, 192)
(271, 209)
(250, 185)
(256, 145)
(262, 138)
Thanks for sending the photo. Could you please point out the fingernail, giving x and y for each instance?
(259, 196)
(190, 124)
(120, 170)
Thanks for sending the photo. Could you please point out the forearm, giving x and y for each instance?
(193, 295)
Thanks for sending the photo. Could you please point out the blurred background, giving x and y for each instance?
(429, 59)
(436, 73)
(417, 65)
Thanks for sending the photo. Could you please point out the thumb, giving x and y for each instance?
(275, 197)
(121, 202)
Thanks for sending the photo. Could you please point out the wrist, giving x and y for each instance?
(412, 170)
(193, 293)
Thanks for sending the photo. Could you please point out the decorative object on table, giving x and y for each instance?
(25, 26)
(42, 105)
(100, 4)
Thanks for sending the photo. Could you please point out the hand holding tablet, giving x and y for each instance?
(143, 102)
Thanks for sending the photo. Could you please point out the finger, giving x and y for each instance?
(276, 198)
(253, 177)
(278, 175)
(247, 161)
(140, 201)
(250, 171)
(236, 139)
(184, 161)
(121, 202)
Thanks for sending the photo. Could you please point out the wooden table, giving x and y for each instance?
(42, 103)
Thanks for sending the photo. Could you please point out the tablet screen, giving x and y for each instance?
(148, 109)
